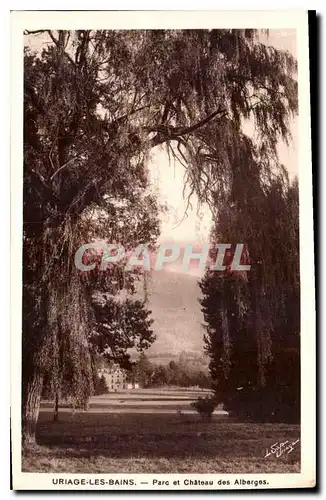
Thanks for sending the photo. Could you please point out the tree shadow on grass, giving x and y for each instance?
(157, 436)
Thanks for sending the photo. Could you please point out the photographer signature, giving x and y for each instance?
(278, 449)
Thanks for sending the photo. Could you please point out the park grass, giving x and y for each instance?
(154, 443)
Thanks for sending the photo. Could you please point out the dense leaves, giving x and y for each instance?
(119, 326)
(253, 320)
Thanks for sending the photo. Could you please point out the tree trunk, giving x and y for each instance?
(56, 408)
(255, 295)
(31, 398)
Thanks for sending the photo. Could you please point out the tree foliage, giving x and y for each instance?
(242, 312)
(119, 327)
(100, 386)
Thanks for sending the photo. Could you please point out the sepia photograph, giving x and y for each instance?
(162, 200)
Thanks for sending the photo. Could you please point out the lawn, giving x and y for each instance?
(100, 442)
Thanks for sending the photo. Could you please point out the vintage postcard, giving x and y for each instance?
(163, 335)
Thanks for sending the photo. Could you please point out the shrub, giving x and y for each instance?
(100, 386)
(205, 406)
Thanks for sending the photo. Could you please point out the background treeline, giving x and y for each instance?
(184, 371)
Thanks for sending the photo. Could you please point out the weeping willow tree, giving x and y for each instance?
(95, 104)
(253, 317)
(110, 331)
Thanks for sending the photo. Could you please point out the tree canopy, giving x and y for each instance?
(119, 326)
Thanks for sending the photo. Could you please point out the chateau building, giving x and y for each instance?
(115, 377)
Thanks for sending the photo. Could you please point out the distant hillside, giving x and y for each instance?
(173, 299)
(163, 358)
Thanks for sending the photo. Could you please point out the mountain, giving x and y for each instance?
(173, 300)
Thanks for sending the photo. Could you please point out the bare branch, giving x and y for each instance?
(36, 32)
(56, 42)
(65, 165)
(165, 133)
(39, 182)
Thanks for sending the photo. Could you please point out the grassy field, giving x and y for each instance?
(106, 441)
